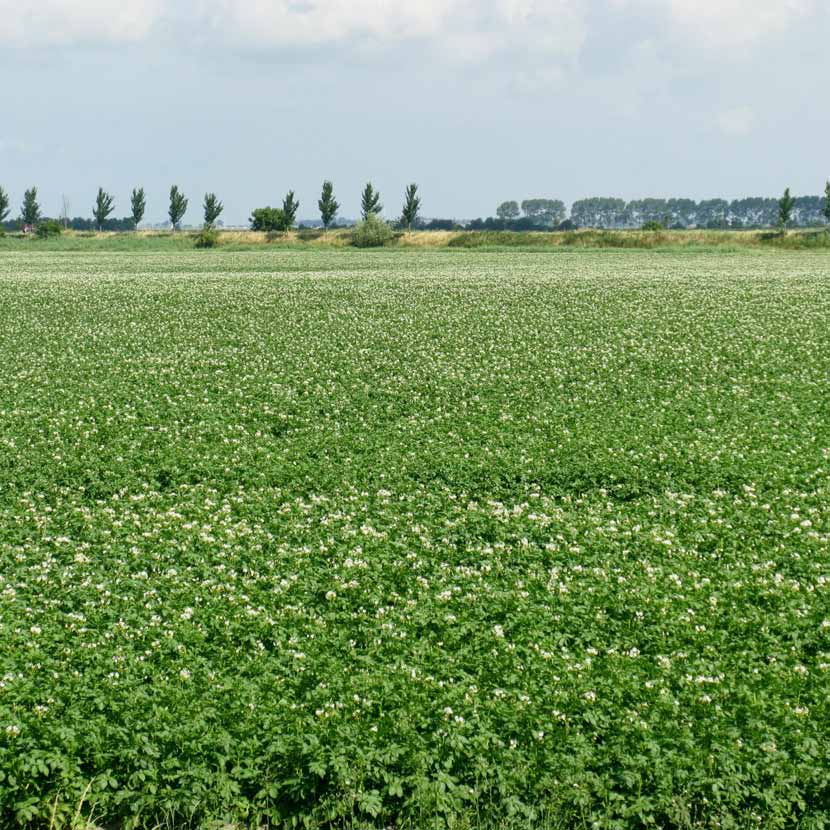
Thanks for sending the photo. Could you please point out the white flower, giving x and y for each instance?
(35, 629)
(184, 674)
(498, 631)
(13, 731)
(590, 696)
(331, 596)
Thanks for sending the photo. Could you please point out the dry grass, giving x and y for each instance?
(341, 237)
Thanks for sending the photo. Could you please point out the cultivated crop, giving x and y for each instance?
(408, 539)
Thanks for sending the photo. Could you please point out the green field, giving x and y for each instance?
(415, 539)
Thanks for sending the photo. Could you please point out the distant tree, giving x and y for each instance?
(411, 206)
(507, 211)
(104, 206)
(268, 219)
(370, 202)
(327, 204)
(139, 205)
(178, 207)
(599, 212)
(4, 204)
(548, 212)
(30, 209)
(825, 211)
(290, 206)
(213, 209)
(785, 209)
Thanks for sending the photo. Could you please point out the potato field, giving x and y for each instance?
(409, 539)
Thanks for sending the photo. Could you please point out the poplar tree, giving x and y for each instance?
(104, 206)
(290, 206)
(785, 209)
(139, 205)
(4, 204)
(826, 210)
(370, 202)
(30, 209)
(411, 206)
(178, 207)
(213, 209)
(328, 205)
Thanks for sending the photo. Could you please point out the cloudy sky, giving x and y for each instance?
(476, 100)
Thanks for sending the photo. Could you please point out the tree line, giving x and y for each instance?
(262, 219)
(532, 214)
(617, 214)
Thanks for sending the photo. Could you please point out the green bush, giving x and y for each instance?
(48, 228)
(653, 225)
(372, 232)
(207, 238)
(268, 219)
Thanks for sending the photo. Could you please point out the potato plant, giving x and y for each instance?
(415, 539)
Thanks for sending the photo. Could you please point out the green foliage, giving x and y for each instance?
(411, 206)
(826, 209)
(547, 212)
(212, 210)
(5, 203)
(508, 211)
(435, 541)
(30, 209)
(104, 206)
(268, 219)
(653, 225)
(208, 237)
(785, 209)
(372, 232)
(138, 205)
(328, 205)
(48, 228)
(290, 206)
(370, 202)
(177, 208)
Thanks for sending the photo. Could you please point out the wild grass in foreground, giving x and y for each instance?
(404, 539)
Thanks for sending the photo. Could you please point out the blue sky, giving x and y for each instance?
(478, 102)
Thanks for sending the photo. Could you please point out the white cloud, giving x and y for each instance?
(737, 122)
(50, 22)
(720, 22)
(725, 23)
(467, 31)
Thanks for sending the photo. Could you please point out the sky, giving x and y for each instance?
(477, 101)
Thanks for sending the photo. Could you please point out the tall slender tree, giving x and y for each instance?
(213, 209)
(178, 207)
(328, 205)
(785, 209)
(138, 205)
(290, 206)
(826, 209)
(411, 206)
(30, 209)
(104, 206)
(370, 202)
(4, 205)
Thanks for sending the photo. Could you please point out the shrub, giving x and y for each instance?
(48, 228)
(268, 219)
(654, 225)
(372, 232)
(207, 238)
